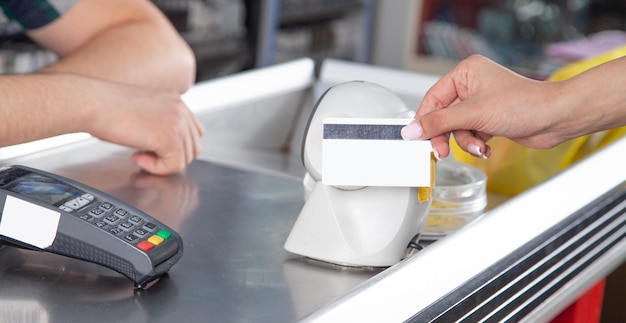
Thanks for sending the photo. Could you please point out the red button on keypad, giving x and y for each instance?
(145, 246)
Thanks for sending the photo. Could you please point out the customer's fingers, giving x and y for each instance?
(473, 143)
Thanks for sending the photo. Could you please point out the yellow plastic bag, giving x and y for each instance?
(513, 168)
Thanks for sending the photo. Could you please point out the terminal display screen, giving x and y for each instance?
(39, 187)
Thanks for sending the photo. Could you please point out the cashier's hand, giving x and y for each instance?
(157, 122)
(480, 99)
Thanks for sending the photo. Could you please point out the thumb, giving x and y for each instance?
(430, 125)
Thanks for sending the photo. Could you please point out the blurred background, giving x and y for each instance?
(534, 37)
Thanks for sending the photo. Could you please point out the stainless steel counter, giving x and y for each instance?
(235, 206)
(234, 268)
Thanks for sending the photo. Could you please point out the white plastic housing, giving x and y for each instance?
(366, 226)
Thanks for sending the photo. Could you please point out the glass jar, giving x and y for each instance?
(459, 197)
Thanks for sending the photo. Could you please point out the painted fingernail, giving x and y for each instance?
(475, 150)
(436, 154)
(412, 131)
(488, 152)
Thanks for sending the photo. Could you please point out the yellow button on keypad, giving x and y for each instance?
(156, 240)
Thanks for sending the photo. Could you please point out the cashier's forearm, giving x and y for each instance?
(138, 45)
(41, 105)
(25, 117)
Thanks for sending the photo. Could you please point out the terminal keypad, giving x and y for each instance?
(129, 227)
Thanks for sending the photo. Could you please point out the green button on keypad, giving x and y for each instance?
(164, 234)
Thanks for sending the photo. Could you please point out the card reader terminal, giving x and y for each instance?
(48, 212)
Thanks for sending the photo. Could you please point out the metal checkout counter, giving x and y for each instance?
(527, 259)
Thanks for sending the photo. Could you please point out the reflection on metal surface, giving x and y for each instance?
(171, 198)
(12, 310)
(312, 283)
(68, 290)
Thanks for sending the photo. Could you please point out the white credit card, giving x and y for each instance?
(371, 152)
(28, 222)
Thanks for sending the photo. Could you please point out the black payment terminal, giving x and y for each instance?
(48, 212)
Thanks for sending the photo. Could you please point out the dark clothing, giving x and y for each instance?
(20, 15)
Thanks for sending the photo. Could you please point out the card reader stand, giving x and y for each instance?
(354, 226)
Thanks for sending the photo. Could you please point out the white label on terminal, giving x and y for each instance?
(29, 223)
(371, 152)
